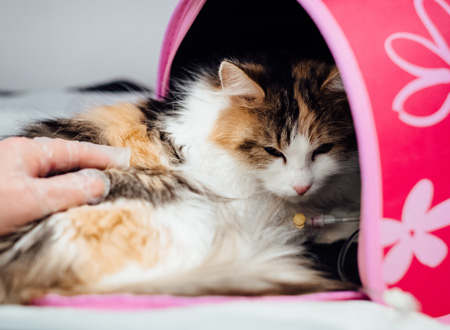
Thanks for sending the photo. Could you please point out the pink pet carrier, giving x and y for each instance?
(394, 57)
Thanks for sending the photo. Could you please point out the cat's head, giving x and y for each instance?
(290, 124)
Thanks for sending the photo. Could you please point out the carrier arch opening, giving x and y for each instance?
(202, 30)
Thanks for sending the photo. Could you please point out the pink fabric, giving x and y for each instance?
(395, 63)
(180, 22)
(133, 302)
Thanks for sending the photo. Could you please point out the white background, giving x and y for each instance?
(53, 44)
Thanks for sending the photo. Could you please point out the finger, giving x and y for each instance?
(89, 186)
(120, 157)
(57, 155)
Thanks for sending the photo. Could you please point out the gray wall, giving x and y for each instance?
(52, 44)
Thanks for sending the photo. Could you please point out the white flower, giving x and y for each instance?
(411, 236)
(436, 51)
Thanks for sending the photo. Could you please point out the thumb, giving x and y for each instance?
(88, 186)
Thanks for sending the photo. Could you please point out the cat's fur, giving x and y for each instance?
(206, 206)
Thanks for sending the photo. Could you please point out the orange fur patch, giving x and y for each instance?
(242, 133)
(124, 125)
(111, 238)
(233, 126)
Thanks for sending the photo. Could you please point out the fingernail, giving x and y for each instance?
(120, 156)
(97, 194)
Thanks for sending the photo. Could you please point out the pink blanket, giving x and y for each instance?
(130, 302)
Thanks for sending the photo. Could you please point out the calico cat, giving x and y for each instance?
(217, 171)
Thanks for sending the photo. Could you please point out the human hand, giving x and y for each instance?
(26, 191)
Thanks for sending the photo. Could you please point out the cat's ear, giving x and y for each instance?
(237, 84)
(333, 83)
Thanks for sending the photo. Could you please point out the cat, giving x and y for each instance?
(217, 171)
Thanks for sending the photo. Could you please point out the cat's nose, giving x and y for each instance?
(301, 190)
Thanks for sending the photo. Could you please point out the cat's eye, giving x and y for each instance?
(274, 152)
(323, 149)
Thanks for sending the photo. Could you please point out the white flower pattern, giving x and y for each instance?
(411, 236)
(426, 77)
